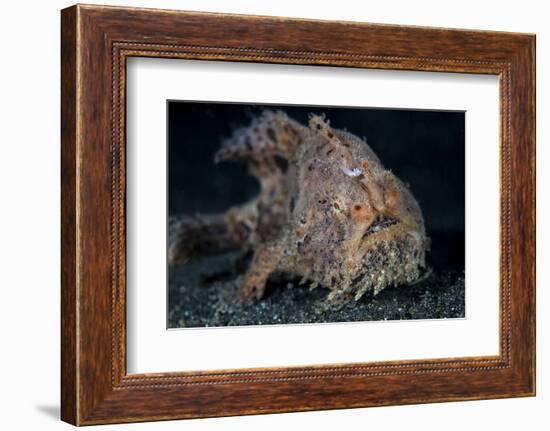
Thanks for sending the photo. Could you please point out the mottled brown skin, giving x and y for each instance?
(328, 212)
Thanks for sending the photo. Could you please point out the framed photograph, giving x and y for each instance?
(264, 214)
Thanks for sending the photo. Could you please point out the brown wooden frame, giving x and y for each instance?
(95, 43)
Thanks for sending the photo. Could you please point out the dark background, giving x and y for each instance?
(425, 149)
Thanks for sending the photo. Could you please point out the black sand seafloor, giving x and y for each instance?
(423, 148)
(205, 298)
(204, 292)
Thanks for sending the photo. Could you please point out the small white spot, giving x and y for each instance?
(355, 172)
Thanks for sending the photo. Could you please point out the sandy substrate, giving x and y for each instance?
(205, 292)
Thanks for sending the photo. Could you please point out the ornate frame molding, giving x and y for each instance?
(96, 41)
